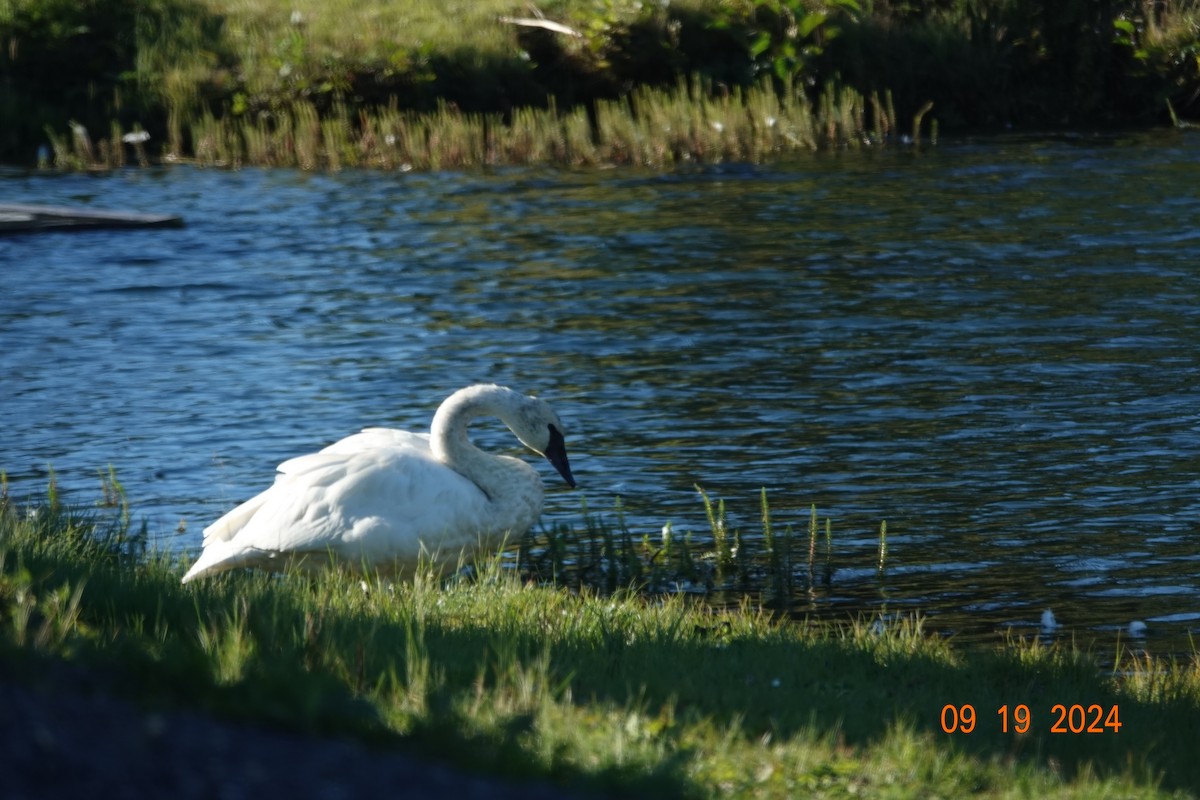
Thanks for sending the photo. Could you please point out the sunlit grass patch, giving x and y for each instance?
(690, 123)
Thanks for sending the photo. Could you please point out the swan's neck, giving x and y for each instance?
(452, 446)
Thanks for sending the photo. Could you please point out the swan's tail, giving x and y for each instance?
(221, 556)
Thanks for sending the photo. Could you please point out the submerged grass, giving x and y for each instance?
(724, 562)
(612, 691)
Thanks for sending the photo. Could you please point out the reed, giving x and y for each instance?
(916, 124)
(882, 547)
(261, 144)
(306, 136)
(827, 576)
(214, 143)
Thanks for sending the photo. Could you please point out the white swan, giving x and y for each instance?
(382, 498)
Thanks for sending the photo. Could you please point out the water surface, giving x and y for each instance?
(993, 345)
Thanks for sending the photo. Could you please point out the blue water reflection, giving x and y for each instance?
(992, 345)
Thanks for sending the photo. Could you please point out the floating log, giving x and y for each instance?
(16, 218)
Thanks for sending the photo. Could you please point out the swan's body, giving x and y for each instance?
(383, 498)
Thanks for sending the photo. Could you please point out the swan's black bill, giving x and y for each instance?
(556, 454)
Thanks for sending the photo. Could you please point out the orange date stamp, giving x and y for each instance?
(1075, 718)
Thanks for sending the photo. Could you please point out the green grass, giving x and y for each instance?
(653, 695)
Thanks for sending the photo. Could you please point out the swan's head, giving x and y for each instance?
(531, 419)
(541, 430)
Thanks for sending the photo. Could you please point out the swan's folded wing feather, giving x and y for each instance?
(371, 438)
(322, 469)
(311, 470)
(373, 504)
(235, 519)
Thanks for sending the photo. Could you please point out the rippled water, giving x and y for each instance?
(992, 345)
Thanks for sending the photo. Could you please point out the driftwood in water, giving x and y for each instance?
(17, 218)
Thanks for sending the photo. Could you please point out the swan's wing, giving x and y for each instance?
(371, 438)
(235, 519)
(373, 505)
(367, 439)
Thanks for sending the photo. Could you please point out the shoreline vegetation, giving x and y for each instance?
(399, 85)
(583, 687)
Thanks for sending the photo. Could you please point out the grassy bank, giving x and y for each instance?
(590, 690)
(403, 83)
